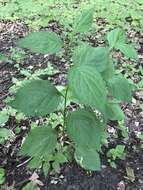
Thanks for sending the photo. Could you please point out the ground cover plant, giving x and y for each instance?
(124, 13)
(92, 84)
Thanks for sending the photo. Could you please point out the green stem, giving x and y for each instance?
(65, 108)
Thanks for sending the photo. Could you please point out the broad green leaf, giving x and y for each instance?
(40, 142)
(88, 158)
(42, 42)
(29, 186)
(101, 59)
(84, 129)
(128, 50)
(115, 37)
(36, 98)
(120, 88)
(120, 148)
(88, 86)
(114, 112)
(36, 162)
(86, 55)
(46, 168)
(83, 22)
(109, 72)
(56, 166)
(60, 157)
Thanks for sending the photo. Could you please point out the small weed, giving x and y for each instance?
(17, 55)
(2, 176)
(116, 153)
(37, 14)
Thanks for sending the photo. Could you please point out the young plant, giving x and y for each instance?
(116, 153)
(2, 176)
(92, 83)
(17, 55)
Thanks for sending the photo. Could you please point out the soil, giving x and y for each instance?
(71, 176)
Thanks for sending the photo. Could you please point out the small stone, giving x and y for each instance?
(54, 182)
(134, 101)
(104, 166)
(121, 185)
(111, 130)
(140, 181)
(61, 176)
(137, 123)
(23, 127)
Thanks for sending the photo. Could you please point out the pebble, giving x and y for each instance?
(24, 127)
(137, 123)
(121, 185)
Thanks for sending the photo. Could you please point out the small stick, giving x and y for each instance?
(23, 163)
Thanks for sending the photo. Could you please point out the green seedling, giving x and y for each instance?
(123, 129)
(116, 153)
(17, 55)
(2, 176)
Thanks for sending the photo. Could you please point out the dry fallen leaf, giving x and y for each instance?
(130, 174)
(34, 179)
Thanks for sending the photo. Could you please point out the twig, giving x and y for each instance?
(23, 163)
